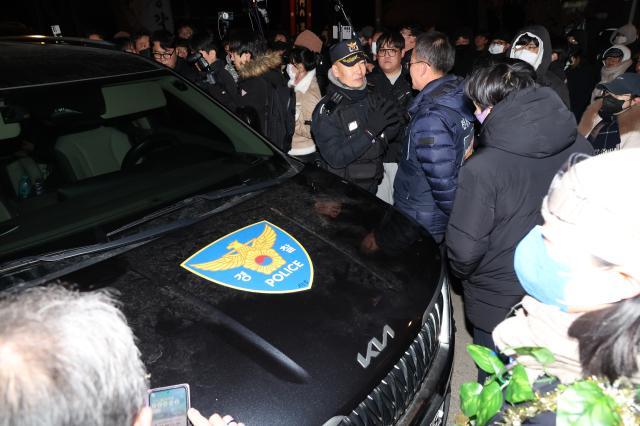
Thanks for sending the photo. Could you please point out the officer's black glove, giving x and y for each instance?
(381, 114)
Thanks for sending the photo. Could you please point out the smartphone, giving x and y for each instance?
(169, 405)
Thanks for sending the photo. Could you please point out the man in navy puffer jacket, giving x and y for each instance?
(437, 137)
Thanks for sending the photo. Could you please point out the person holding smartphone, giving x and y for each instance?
(71, 358)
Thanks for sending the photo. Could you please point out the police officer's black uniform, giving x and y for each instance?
(349, 143)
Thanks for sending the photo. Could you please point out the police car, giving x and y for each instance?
(241, 272)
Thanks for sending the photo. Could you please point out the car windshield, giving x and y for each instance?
(78, 157)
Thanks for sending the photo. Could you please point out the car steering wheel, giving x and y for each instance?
(150, 143)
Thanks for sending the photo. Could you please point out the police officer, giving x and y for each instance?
(350, 126)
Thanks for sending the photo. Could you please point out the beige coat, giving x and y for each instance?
(307, 97)
(628, 123)
(540, 325)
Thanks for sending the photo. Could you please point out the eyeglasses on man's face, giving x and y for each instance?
(163, 55)
(407, 65)
(388, 52)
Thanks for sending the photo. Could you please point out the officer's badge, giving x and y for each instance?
(260, 258)
(352, 46)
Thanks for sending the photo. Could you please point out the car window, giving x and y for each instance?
(78, 156)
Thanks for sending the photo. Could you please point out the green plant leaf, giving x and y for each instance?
(585, 404)
(489, 404)
(519, 389)
(486, 359)
(543, 355)
(470, 398)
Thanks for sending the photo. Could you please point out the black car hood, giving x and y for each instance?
(279, 358)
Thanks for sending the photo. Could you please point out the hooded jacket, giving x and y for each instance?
(254, 79)
(544, 76)
(434, 143)
(522, 144)
(610, 74)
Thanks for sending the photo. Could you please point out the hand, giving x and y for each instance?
(198, 419)
(381, 114)
(369, 244)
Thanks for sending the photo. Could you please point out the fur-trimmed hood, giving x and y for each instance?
(260, 65)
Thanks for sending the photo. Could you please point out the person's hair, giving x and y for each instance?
(560, 47)
(391, 38)
(609, 339)
(435, 48)
(68, 358)
(123, 43)
(495, 80)
(204, 41)
(304, 56)
(247, 42)
(142, 33)
(414, 28)
(526, 39)
(164, 38)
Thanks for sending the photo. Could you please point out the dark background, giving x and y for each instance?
(77, 18)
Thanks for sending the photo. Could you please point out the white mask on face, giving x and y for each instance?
(496, 49)
(620, 39)
(374, 47)
(291, 71)
(527, 56)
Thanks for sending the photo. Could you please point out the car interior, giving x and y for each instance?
(76, 154)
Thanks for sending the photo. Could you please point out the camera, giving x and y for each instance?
(198, 60)
(225, 16)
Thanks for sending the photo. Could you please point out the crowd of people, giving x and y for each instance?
(468, 135)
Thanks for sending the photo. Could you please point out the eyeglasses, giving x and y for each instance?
(407, 65)
(388, 52)
(165, 55)
(530, 46)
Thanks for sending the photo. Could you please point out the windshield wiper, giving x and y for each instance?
(131, 241)
(243, 188)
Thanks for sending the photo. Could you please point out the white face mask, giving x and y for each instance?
(525, 55)
(496, 49)
(374, 47)
(620, 39)
(291, 71)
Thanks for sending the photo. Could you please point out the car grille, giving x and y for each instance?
(389, 400)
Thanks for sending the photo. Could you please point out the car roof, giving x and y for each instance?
(29, 64)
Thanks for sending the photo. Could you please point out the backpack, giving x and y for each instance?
(279, 115)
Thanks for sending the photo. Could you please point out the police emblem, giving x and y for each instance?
(259, 258)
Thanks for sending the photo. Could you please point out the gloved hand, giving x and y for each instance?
(381, 114)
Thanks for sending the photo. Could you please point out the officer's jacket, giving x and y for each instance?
(338, 127)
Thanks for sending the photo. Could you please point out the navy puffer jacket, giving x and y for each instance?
(434, 144)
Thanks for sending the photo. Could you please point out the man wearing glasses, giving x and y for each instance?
(438, 134)
(163, 49)
(391, 81)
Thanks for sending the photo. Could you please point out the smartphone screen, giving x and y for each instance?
(169, 405)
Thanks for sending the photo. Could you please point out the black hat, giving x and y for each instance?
(348, 52)
(624, 84)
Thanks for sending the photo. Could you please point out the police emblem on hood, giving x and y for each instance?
(260, 258)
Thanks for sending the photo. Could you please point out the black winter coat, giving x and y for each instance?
(523, 143)
(220, 85)
(255, 79)
(401, 94)
(339, 133)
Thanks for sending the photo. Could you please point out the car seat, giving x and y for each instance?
(92, 152)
